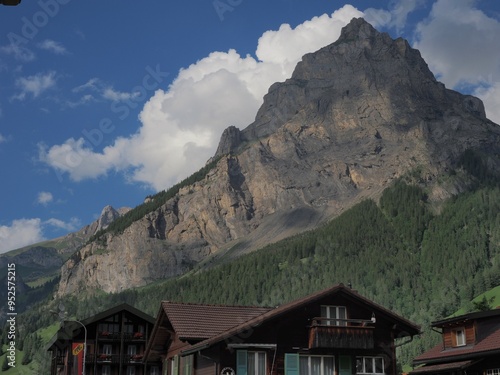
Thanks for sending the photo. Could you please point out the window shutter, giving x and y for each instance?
(291, 364)
(345, 365)
(241, 362)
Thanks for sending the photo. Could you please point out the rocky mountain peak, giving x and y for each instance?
(354, 116)
(108, 215)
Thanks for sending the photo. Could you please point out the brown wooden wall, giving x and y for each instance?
(449, 338)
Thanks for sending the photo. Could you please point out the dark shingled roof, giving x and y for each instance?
(407, 328)
(196, 321)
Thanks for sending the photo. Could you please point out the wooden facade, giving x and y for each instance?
(116, 340)
(332, 332)
(470, 346)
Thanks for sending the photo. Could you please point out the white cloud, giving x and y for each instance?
(20, 233)
(395, 17)
(460, 43)
(35, 84)
(52, 46)
(491, 99)
(92, 84)
(44, 198)
(25, 232)
(181, 126)
(71, 226)
(118, 96)
(20, 53)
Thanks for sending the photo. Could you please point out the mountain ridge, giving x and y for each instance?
(354, 117)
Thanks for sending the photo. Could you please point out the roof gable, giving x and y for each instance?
(488, 340)
(405, 327)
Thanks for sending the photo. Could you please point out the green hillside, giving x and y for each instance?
(422, 265)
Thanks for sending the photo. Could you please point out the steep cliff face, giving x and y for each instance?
(353, 117)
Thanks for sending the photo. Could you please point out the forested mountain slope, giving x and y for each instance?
(422, 261)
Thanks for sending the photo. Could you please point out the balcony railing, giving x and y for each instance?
(341, 333)
(114, 358)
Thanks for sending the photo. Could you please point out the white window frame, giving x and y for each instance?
(256, 355)
(131, 370)
(333, 312)
(493, 371)
(106, 370)
(107, 349)
(309, 357)
(132, 350)
(460, 338)
(373, 364)
(154, 370)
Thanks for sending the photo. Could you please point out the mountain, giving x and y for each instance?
(41, 262)
(353, 118)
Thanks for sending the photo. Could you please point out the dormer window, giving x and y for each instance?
(336, 315)
(459, 336)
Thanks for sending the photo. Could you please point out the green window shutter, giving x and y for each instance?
(291, 364)
(345, 365)
(241, 362)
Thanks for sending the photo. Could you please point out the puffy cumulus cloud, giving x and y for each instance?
(181, 126)
(35, 85)
(287, 45)
(460, 43)
(44, 198)
(20, 233)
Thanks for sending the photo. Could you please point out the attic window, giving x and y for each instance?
(459, 336)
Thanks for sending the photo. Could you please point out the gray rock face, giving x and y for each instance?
(354, 116)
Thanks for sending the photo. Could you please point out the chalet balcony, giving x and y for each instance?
(341, 334)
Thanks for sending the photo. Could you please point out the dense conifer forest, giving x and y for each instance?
(421, 261)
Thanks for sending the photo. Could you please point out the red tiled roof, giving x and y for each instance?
(195, 321)
(487, 344)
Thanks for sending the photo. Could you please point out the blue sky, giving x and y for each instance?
(106, 102)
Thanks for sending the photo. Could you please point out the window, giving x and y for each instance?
(250, 363)
(106, 370)
(316, 365)
(174, 366)
(154, 370)
(459, 337)
(107, 349)
(256, 363)
(132, 350)
(130, 370)
(334, 312)
(369, 365)
(493, 371)
(187, 365)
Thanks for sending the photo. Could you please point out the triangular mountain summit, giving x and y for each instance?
(354, 117)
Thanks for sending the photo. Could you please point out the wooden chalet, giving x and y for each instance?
(332, 332)
(470, 346)
(116, 340)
